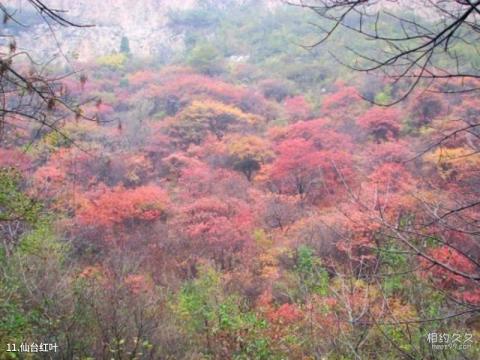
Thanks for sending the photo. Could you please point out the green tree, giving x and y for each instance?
(206, 58)
(125, 45)
(219, 324)
(18, 211)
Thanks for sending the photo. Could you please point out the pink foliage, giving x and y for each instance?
(107, 207)
(297, 108)
(382, 123)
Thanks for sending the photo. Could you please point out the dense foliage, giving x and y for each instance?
(243, 202)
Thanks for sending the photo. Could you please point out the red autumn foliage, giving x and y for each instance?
(138, 284)
(297, 108)
(143, 77)
(108, 207)
(303, 170)
(296, 169)
(462, 287)
(344, 97)
(129, 170)
(199, 179)
(14, 158)
(71, 166)
(93, 272)
(392, 177)
(177, 87)
(50, 181)
(382, 123)
(216, 228)
(340, 185)
(390, 189)
(286, 314)
(319, 131)
(391, 152)
(355, 229)
(452, 258)
(279, 211)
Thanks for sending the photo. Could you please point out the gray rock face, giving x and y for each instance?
(142, 22)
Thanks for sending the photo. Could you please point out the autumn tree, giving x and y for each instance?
(322, 133)
(301, 169)
(280, 211)
(429, 51)
(248, 153)
(200, 118)
(297, 108)
(107, 211)
(382, 124)
(216, 229)
(344, 97)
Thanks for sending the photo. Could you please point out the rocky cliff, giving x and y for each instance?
(142, 22)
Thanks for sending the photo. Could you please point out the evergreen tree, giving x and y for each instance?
(125, 45)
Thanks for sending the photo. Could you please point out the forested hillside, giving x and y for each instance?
(249, 197)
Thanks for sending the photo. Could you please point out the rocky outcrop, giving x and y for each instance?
(142, 22)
